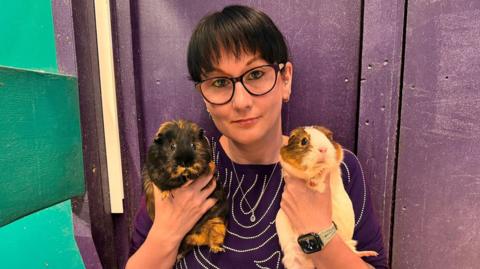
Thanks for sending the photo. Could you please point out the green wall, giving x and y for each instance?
(43, 239)
(27, 37)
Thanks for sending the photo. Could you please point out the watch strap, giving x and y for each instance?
(327, 234)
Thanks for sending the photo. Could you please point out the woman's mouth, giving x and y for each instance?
(246, 122)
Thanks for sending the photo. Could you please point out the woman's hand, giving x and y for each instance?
(307, 209)
(174, 217)
(178, 213)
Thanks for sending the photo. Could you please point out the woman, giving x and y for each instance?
(239, 62)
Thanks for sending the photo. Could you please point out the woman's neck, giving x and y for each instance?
(264, 151)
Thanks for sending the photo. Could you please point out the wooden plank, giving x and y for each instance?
(379, 101)
(437, 214)
(40, 144)
(92, 132)
(109, 105)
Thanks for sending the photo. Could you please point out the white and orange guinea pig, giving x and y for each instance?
(311, 154)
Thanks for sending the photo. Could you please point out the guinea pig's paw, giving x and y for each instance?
(284, 173)
(197, 239)
(367, 253)
(211, 166)
(216, 249)
(312, 183)
(179, 257)
(165, 194)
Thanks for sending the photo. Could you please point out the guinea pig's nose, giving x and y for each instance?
(322, 149)
(185, 163)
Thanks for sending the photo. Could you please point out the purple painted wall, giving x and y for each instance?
(66, 61)
(325, 52)
(437, 207)
(130, 122)
(383, 27)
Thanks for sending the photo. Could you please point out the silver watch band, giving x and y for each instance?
(327, 234)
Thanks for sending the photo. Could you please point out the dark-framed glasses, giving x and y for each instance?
(257, 81)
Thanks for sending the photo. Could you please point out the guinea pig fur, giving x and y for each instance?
(311, 154)
(179, 152)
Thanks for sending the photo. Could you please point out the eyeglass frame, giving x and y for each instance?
(277, 67)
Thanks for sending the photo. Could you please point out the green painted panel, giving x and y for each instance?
(41, 240)
(41, 160)
(26, 34)
(40, 145)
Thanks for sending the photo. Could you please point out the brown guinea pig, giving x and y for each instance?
(179, 152)
(312, 154)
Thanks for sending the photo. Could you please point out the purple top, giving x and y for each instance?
(251, 240)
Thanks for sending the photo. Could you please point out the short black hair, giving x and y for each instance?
(237, 29)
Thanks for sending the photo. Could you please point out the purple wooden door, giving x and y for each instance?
(437, 207)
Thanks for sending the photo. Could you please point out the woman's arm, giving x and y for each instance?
(312, 211)
(158, 251)
(174, 217)
(337, 255)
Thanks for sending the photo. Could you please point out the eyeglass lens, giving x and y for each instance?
(258, 81)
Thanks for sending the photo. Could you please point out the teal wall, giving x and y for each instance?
(26, 35)
(41, 240)
(44, 239)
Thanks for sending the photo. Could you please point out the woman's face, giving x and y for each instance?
(247, 119)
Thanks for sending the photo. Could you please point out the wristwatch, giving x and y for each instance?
(313, 242)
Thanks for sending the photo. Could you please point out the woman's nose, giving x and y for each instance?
(241, 98)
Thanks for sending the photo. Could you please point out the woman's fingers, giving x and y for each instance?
(209, 189)
(208, 204)
(201, 182)
(188, 183)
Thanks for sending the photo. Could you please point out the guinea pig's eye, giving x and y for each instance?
(193, 146)
(173, 146)
(304, 141)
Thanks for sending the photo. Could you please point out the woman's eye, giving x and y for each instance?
(304, 141)
(193, 146)
(255, 74)
(173, 146)
(220, 83)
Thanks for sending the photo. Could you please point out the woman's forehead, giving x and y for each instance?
(229, 62)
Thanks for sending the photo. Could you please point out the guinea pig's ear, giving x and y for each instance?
(159, 138)
(162, 130)
(201, 133)
(292, 138)
(329, 134)
(326, 131)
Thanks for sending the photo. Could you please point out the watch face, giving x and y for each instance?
(310, 243)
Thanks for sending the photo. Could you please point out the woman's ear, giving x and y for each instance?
(286, 76)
